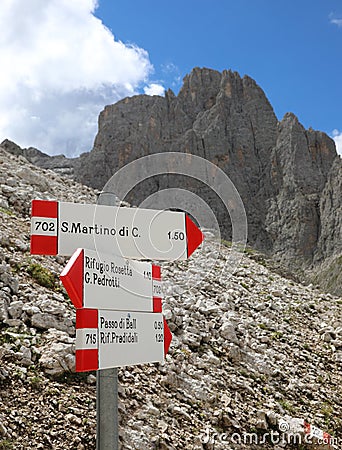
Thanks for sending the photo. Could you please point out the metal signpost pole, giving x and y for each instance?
(107, 428)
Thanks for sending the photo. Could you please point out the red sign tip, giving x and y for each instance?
(194, 235)
(167, 337)
(72, 278)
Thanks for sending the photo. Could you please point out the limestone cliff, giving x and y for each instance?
(289, 178)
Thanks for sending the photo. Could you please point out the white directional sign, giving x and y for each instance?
(102, 281)
(60, 228)
(106, 338)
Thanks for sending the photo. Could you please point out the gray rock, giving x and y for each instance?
(338, 357)
(15, 309)
(25, 356)
(328, 336)
(234, 353)
(3, 309)
(91, 379)
(8, 280)
(33, 178)
(45, 321)
(261, 421)
(227, 331)
(46, 305)
(31, 309)
(14, 285)
(58, 358)
(3, 203)
(3, 429)
(191, 339)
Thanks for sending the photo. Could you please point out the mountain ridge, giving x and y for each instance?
(288, 177)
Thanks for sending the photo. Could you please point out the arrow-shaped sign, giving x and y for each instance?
(106, 339)
(102, 281)
(61, 227)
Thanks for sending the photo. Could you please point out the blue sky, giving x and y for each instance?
(292, 49)
(65, 60)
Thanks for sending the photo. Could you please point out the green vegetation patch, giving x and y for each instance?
(42, 275)
(9, 213)
(6, 445)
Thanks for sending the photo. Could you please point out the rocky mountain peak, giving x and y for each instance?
(282, 171)
(277, 167)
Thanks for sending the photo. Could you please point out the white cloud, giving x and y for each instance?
(337, 136)
(154, 89)
(59, 67)
(335, 20)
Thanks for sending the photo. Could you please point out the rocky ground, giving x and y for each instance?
(253, 352)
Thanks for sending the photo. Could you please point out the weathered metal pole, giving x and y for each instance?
(107, 428)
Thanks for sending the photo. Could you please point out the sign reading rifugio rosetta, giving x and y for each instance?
(61, 227)
(103, 281)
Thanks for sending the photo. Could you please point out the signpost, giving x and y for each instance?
(106, 338)
(118, 301)
(61, 227)
(103, 281)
